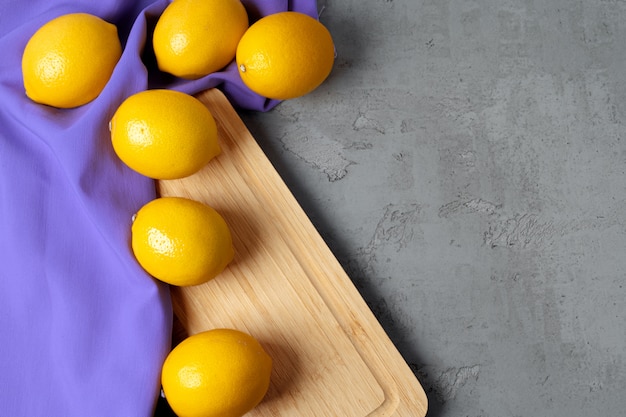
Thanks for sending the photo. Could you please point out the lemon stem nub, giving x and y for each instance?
(242, 68)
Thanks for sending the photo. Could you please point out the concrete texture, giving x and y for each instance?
(466, 164)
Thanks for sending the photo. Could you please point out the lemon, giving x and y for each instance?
(193, 38)
(68, 61)
(164, 134)
(216, 373)
(285, 55)
(181, 241)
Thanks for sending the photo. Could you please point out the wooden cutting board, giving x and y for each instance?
(285, 287)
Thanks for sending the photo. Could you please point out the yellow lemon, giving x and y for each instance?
(285, 55)
(181, 241)
(193, 38)
(216, 373)
(164, 134)
(68, 61)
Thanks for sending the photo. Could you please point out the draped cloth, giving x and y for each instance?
(83, 329)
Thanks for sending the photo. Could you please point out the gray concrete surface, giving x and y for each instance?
(466, 164)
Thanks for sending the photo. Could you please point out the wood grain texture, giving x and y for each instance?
(286, 288)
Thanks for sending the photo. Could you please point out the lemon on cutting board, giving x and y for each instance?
(216, 373)
(68, 61)
(181, 241)
(164, 134)
(193, 38)
(285, 55)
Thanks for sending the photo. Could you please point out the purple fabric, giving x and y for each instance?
(83, 329)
